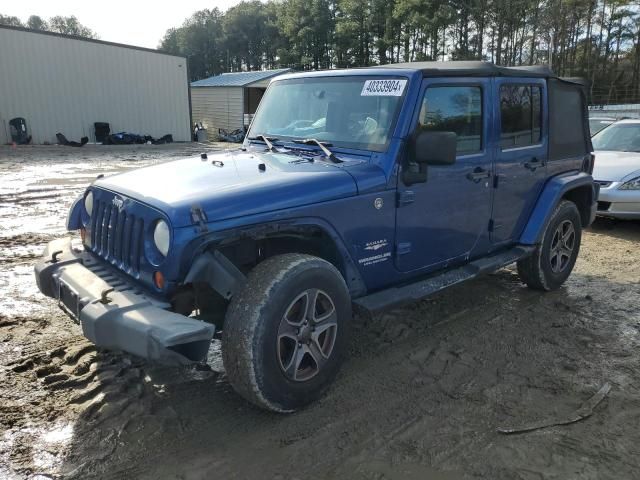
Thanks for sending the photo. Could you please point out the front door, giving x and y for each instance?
(521, 154)
(439, 222)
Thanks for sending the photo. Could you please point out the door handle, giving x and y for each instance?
(533, 164)
(478, 174)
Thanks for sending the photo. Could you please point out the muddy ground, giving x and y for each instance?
(421, 396)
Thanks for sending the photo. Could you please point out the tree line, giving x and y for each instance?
(595, 39)
(58, 24)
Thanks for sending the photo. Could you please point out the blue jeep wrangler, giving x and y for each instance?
(363, 188)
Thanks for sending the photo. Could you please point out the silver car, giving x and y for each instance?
(617, 169)
(598, 123)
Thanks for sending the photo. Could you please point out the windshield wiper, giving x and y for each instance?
(323, 146)
(266, 140)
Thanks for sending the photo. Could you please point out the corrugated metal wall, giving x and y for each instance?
(217, 107)
(64, 85)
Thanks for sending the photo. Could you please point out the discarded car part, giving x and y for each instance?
(101, 131)
(125, 138)
(62, 140)
(201, 135)
(585, 411)
(19, 133)
(235, 136)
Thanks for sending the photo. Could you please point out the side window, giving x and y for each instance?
(521, 115)
(454, 109)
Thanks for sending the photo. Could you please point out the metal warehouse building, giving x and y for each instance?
(60, 83)
(229, 100)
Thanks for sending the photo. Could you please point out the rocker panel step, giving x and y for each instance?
(396, 296)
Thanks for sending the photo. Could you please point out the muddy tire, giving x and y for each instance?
(553, 260)
(285, 333)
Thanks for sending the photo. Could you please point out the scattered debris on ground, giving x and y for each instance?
(585, 411)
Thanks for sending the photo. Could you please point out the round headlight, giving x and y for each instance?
(161, 237)
(88, 203)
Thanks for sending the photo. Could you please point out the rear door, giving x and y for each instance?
(439, 222)
(521, 154)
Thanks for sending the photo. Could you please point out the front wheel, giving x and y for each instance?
(553, 260)
(285, 333)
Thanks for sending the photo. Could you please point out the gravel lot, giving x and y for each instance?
(422, 395)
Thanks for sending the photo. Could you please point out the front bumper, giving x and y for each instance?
(616, 203)
(114, 312)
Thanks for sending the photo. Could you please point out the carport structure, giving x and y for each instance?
(229, 100)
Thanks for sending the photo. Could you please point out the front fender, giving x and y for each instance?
(74, 220)
(298, 225)
(554, 190)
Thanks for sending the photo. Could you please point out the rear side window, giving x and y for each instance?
(521, 115)
(454, 109)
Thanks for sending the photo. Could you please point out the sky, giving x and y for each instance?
(140, 23)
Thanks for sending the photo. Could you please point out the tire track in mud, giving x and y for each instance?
(433, 397)
(56, 388)
(85, 388)
(425, 386)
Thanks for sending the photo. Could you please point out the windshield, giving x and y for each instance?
(597, 124)
(622, 137)
(350, 112)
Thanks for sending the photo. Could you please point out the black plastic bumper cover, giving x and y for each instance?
(123, 319)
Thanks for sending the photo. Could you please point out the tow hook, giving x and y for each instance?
(104, 296)
(54, 256)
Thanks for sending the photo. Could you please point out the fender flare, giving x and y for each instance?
(218, 271)
(215, 238)
(74, 219)
(554, 190)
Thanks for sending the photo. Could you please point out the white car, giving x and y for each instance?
(598, 123)
(617, 169)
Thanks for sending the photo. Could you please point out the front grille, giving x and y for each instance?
(603, 184)
(604, 206)
(116, 236)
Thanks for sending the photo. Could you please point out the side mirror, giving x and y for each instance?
(435, 148)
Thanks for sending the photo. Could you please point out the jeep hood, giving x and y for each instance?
(232, 184)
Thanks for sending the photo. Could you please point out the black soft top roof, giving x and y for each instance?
(568, 127)
(472, 68)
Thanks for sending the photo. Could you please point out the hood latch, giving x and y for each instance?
(198, 217)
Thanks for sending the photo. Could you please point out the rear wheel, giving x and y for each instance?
(553, 260)
(285, 333)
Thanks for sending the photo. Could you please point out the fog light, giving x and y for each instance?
(158, 280)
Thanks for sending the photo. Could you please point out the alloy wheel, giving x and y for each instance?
(307, 335)
(562, 246)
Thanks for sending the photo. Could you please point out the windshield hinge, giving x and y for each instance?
(198, 217)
